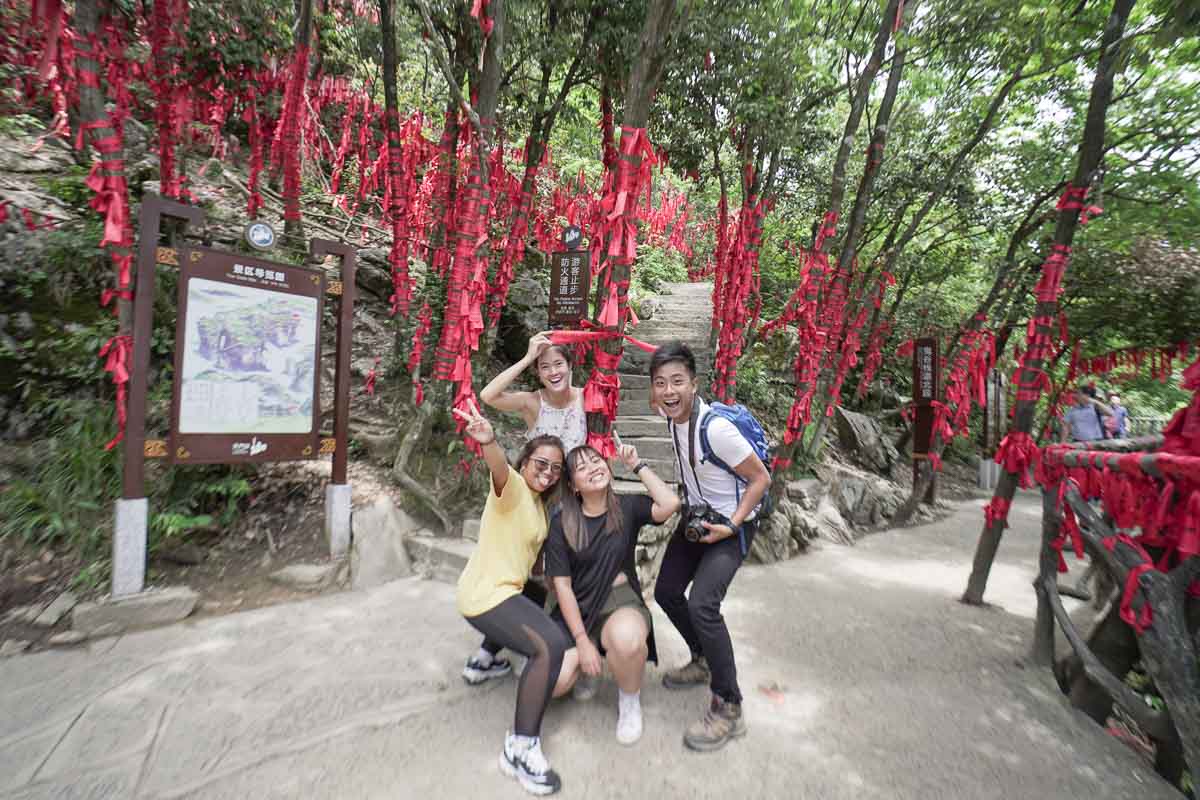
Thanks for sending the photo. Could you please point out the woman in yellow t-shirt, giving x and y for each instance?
(511, 534)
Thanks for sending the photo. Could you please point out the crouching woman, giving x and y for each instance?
(511, 534)
(590, 557)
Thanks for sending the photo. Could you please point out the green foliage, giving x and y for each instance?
(656, 267)
(67, 499)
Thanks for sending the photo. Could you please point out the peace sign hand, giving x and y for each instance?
(478, 428)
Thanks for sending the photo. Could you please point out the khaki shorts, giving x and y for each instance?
(622, 596)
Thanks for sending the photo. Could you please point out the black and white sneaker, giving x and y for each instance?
(475, 672)
(529, 766)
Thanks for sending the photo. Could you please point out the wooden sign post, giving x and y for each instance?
(570, 277)
(247, 374)
(925, 392)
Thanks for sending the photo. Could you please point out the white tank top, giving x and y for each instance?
(568, 424)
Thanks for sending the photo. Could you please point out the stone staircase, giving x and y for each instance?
(684, 312)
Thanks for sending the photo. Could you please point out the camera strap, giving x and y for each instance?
(694, 435)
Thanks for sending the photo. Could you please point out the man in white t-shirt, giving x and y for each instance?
(710, 563)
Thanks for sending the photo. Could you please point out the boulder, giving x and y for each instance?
(306, 577)
(862, 437)
(525, 313)
(377, 554)
(66, 639)
(470, 529)
(829, 523)
(61, 606)
(13, 647)
(774, 541)
(155, 607)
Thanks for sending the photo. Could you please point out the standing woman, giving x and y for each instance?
(554, 410)
(590, 558)
(511, 534)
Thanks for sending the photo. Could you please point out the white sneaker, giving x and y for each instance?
(629, 719)
(529, 766)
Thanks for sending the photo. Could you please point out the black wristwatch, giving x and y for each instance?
(641, 465)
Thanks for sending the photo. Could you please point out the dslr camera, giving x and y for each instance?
(695, 515)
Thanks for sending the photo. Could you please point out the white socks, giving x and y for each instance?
(484, 658)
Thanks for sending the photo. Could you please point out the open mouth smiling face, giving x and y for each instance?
(673, 389)
(543, 469)
(554, 372)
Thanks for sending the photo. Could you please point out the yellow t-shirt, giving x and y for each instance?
(511, 533)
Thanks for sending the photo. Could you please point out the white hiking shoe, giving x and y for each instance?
(529, 766)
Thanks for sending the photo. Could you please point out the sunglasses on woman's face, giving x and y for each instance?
(542, 465)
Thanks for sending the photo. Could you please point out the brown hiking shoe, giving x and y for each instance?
(723, 721)
(693, 673)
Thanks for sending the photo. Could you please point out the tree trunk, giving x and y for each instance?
(804, 391)
(1090, 151)
(293, 225)
(644, 75)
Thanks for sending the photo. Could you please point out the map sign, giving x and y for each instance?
(247, 352)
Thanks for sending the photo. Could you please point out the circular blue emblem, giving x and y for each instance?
(260, 235)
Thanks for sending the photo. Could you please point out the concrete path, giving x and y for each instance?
(863, 676)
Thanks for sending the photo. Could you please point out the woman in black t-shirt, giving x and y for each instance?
(590, 559)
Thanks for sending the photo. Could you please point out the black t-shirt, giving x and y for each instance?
(593, 569)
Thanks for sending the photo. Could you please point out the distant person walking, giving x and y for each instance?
(1083, 418)
(1116, 425)
(511, 534)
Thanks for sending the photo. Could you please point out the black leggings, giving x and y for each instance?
(523, 627)
(535, 592)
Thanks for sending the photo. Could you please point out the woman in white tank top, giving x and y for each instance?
(557, 408)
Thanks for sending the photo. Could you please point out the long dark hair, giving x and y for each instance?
(530, 448)
(573, 522)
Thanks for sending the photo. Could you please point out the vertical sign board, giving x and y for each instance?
(247, 360)
(570, 276)
(925, 392)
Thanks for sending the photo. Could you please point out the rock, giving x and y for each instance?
(66, 639)
(525, 314)
(470, 529)
(650, 306)
(378, 554)
(774, 541)
(25, 615)
(830, 523)
(805, 491)
(155, 607)
(861, 436)
(61, 606)
(107, 629)
(305, 577)
(13, 647)
(184, 554)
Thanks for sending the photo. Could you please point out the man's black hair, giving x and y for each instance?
(674, 350)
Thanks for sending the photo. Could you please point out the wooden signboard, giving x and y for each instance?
(570, 276)
(926, 369)
(247, 360)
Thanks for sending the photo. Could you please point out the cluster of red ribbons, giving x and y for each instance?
(801, 309)
(1161, 361)
(171, 93)
(28, 217)
(739, 277)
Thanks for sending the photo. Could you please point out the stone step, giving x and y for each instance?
(637, 402)
(634, 380)
(651, 447)
(445, 556)
(634, 427)
(662, 467)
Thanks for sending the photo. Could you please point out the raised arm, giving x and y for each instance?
(666, 501)
(495, 394)
(479, 429)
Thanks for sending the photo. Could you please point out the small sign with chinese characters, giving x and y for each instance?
(925, 391)
(570, 276)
